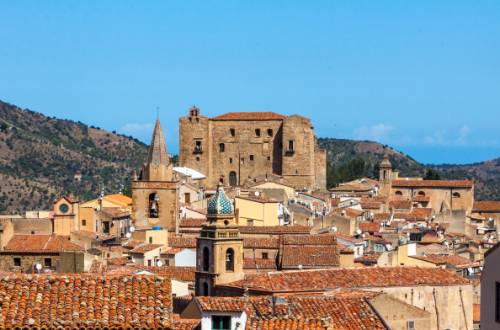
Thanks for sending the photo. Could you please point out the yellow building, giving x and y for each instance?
(66, 211)
(254, 211)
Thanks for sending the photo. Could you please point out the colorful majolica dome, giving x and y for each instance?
(220, 204)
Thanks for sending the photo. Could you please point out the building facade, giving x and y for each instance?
(238, 147)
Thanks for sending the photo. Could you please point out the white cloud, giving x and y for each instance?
(376, 132)
(131, 128)
(441, 137)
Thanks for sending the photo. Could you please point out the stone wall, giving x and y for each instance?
(240, 150)
(167, 204)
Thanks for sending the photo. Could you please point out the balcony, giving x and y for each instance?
(197, 150)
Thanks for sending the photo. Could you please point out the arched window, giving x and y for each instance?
(206, 259)
(205, 289)
(229, 260)
(456, 195)
(270, 132)
(399, 193)
(421, 193)
(153, 205)
(222, 147)
(232, 178)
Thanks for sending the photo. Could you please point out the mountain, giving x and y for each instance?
(40, 155)
(350, 159)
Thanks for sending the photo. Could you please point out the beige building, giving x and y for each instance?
(442, 196)
(255, 211)
(66, 214)
(237, 147)
(219, 248)
(154, 191)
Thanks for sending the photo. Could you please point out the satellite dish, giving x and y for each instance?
(128, 235)
(300, 267)
(159, 263)
(334, 229)
(38, 267)
(257, 193)
(358, 231)
(132, 229)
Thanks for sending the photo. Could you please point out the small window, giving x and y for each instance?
(251, 157)
(229, 260)
(410, 325)
(456, 195)
(220, 322)
(17, 262)
(149, 263)
(249, 222)
(197, 159)
(150, 239)
(268, 157)
(198, 144)
(290, 145)
(230, 160)
(269, 132)
(222, 147)
(421, 193)
(257, 132)
(232, 132)
(84, 222)
(47, 262)
(399, 193)
(265, 255)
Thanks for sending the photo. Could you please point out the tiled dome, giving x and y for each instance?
(219, 204)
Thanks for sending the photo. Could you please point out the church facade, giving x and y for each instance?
(239, 147)
(154, 190)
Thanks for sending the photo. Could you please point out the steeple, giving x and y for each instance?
(158, 149)
(157, 166)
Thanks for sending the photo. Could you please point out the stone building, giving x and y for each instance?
(442, 196)
(241, 146)
(154, 191)
(219, 249)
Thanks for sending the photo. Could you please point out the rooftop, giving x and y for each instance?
(331, 279)
(85, 301)
(433, 183)
(250, 116)
(41, 243)
(486, 206)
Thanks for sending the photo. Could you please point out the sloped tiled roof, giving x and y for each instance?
(345, 311)
(400, 204)
(143, 248)
(260, 243)
(309, 256)
(486, 206)
(433, 183)
(331, 279)
(182, 242)
(297, 229)
(250, 116)
(370, 227)
(41, 243)
(85, 301)
(286, 324)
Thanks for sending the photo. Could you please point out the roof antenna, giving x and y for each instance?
(157, 112)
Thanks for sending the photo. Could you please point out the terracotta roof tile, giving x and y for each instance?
(260, 243)
(285, 324)
(331, 279)
(486, 206)
(433, 183)
(439, 259)
(369, 227)
(365, 205)
(259, 263)
(182, 242)
(192, 222)
(41, 243)
(345, 311)
(85, 301)
(275, 229)
(250, 116)
(400, 204)
(143, 248)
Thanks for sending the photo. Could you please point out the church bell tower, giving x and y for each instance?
(219, 249)
(154, 191)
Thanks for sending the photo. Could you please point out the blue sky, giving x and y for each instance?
(422, 76)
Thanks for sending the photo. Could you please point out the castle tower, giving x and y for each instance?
(154, 191)
(219, 249)
(385, 175)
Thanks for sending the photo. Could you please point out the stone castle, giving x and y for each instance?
(237, 148)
